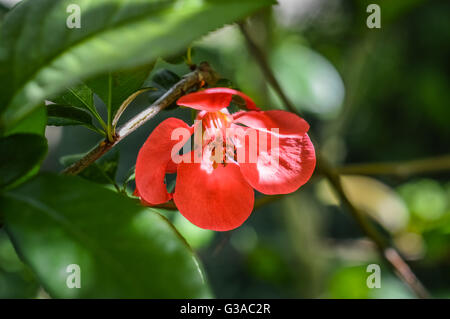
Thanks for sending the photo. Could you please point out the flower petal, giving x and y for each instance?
(143, 201)
(154, 160)
(218, 199)
(214, 99)
(282, 168)
(286, 122)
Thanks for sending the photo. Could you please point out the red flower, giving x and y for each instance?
(269, 151)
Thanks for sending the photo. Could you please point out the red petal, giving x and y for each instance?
(286, 122)
(218, 199)
(143, 202)
(295, 165)
(154, 160)
(295, 152)
(213, 99)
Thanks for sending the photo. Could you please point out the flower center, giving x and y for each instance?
(216, 120)
(215, 126)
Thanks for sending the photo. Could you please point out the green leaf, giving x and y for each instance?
(123, 249)
(16, 280)
(35, 123)
(62, 115)
(3, 10)
(20, 154)
(163, 80)
(114, 87)
(312, 81)
(80, 96)
(129, 177)
(102, 171)
(346, 283)
(195, 236)
(18, 284)
(114, 35)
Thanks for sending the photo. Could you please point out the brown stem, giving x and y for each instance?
(261, 58)
(389, 253)
(202, 74)
(400, 169)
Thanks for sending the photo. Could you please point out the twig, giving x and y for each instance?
(202, 74)
(260, 56)
(267, 199)
(221, 244)
(400, 169)
(389, 253)
(400, 267)
(126, 103)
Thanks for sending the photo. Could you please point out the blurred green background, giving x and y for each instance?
(370, 95)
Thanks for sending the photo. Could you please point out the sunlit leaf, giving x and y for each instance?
(123, 249)
(114, 34)
(349, 283)
(308, 78)
(195, 236)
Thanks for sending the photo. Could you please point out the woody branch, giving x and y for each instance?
(203, 73)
